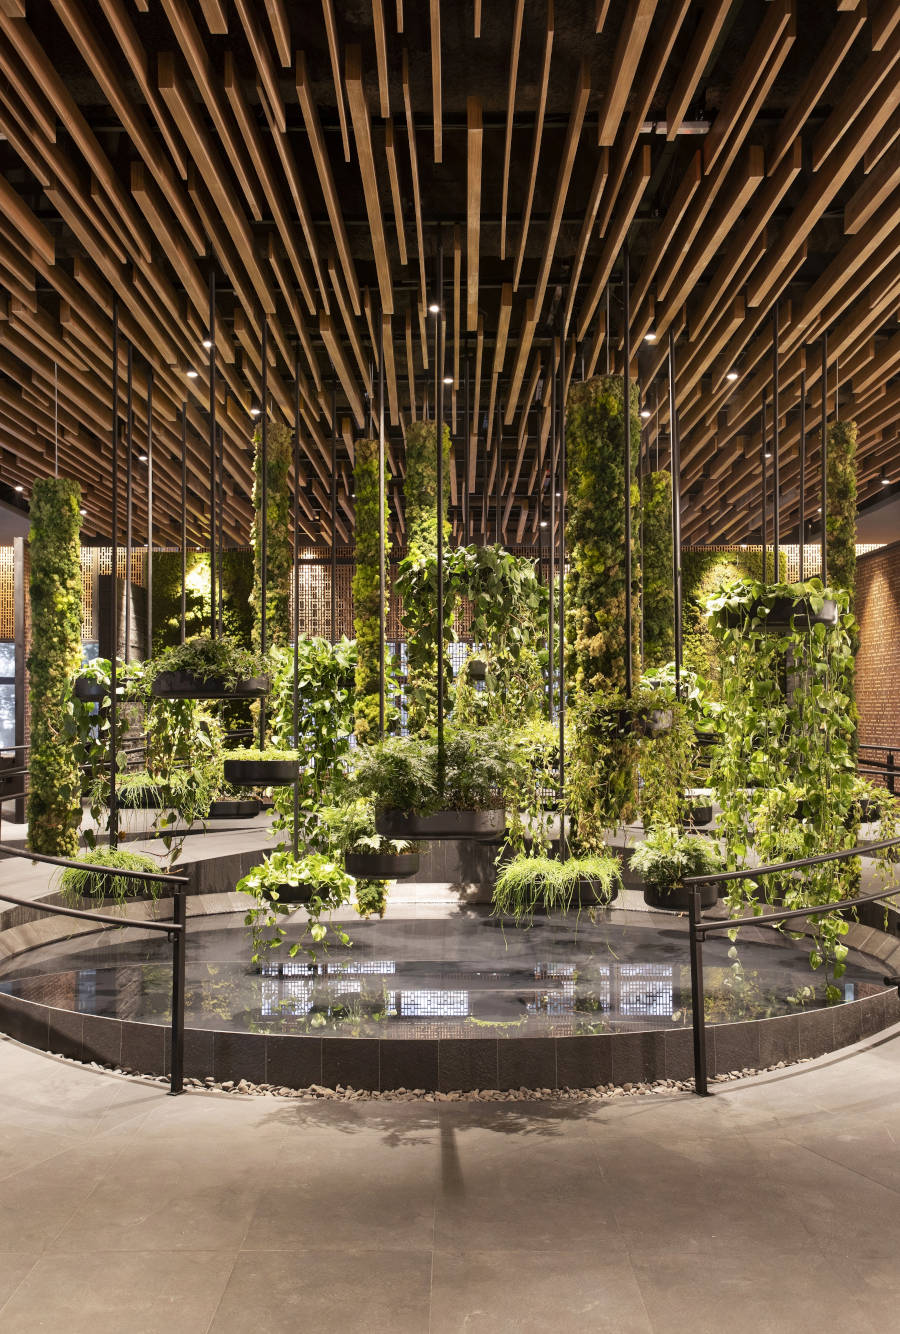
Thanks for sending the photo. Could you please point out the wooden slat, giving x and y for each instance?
(564, 176)
(380, 30)
(262, 57)
(334, 55)
(32, 231)
(359, 114)
(884, 23)
(693, 66)
(414, 180)
(875, 189)
(341, 365)
(537, 140)
(757, 72)
(434, 14)
(213, 12)
(612, 244)
(629, 49)
(281, 30)
(510, 108)
(474, 138)
(390, 153)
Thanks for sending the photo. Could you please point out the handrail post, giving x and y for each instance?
(179, 950)
(697, 998)
(890, 778)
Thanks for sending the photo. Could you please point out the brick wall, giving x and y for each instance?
(878, 662)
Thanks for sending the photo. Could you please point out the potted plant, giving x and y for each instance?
(418, 793)
(367, 855)
(98, 879)
(279, 883)
(665, 858)
(206, 668)
(261, 768)
(526, 883)
(778, 607)
(476, 668)
(233, 808)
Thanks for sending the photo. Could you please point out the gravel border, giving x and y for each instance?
(346, 1093)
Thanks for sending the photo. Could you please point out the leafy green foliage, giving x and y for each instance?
(482, 769)
(211, 660)
(279, 535)
(329, 886)
(658, 573)
(369, 599)
(526, 883)
(784, 770)
(666, 856)
(54, 799)
(247, 755)
(595, 533)
(702, 573)
(78, 884)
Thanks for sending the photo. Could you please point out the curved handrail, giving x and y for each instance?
(752, 873)
(72, 863)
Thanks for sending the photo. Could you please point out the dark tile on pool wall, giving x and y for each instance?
(24, 1021)
(679, 1048)
(737, 1047)
(847, 1022)
(353, 1061)
(102, 1039)
(467, 1063)
(638, 1056)
(65, 1034)
(584, 1062)
(816, 1032)
(871, 1015)
(295, 1062)
(526, 1063)
(198, 1052)
(143, 1047)
(779, 1039)
(409, 1063)
(239, 1056)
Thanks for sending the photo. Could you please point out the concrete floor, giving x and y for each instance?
(770, 1207)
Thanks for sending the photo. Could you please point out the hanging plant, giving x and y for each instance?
(54, 799)
(658, 573)
(419, 602)
(369, 600)
(840, 522)
(279, 535)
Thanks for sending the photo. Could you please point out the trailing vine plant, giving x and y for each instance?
(369, 599)
(840, 526)
(279, 540)
(420, 496)
(54, 799)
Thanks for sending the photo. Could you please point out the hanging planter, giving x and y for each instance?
(666, 858)
(477, 669)
(678, 899)
(781, 612)
(185, 685)
(90, 691)
(381, 865)
(255, 768)
(656, 722)
(526, 884)
(698, 815)
(233, 808)
(487, 826)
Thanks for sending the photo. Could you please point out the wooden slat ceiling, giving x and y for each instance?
(314, 158)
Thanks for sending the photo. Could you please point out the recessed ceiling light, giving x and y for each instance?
(767, 453)
(142, 458)
(731, 375)
(645, 414)
(448, 379)
(192, 375)
(82, 511)
(433, 308)
(19, 488)
(254, 412)
(543, 523)
(207, 343)
(650, 335)
(885, 480)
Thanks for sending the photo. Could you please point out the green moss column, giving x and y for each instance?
(658, 592)
(279, 547)
(840, 531)
(367, 593)
(420, 601)
(54, 801)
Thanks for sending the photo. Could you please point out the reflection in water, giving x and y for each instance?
(454, 977)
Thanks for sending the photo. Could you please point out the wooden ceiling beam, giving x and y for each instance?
(474, 142)
(563, 179)
(334, 55)
(536, 141)
(359, 114)
(510, 109)
(629, 49)
(693, 67)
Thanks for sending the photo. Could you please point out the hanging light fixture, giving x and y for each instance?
(650, 336)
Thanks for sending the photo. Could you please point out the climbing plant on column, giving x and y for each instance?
(279, 543)
(420, 495)
(368, 595)
(840, 531)
(54, 801)
(658, 575)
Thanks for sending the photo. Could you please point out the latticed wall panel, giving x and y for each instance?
(7, 602)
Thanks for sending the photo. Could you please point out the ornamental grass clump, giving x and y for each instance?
(85, 882)
(527, 884)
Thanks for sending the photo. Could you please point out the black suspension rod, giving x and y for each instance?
(824, 478)
(212, 449)
(114, 585)
(382, 574)
(629, 609)
(776, 494)
(675, 441)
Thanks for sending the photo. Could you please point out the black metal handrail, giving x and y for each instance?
(176, 931)
(700, 927)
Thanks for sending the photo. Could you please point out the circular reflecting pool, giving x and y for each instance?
(458, 976)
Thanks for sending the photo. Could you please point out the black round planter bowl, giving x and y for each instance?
(260, 773)
(183, 685)
(782, 610)
(476, 668)
(233, 808)
(90, 692)
(138, 799)
(591, 894)
(679, 900)
(381, 865)
(485, 826)
(292, 894)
